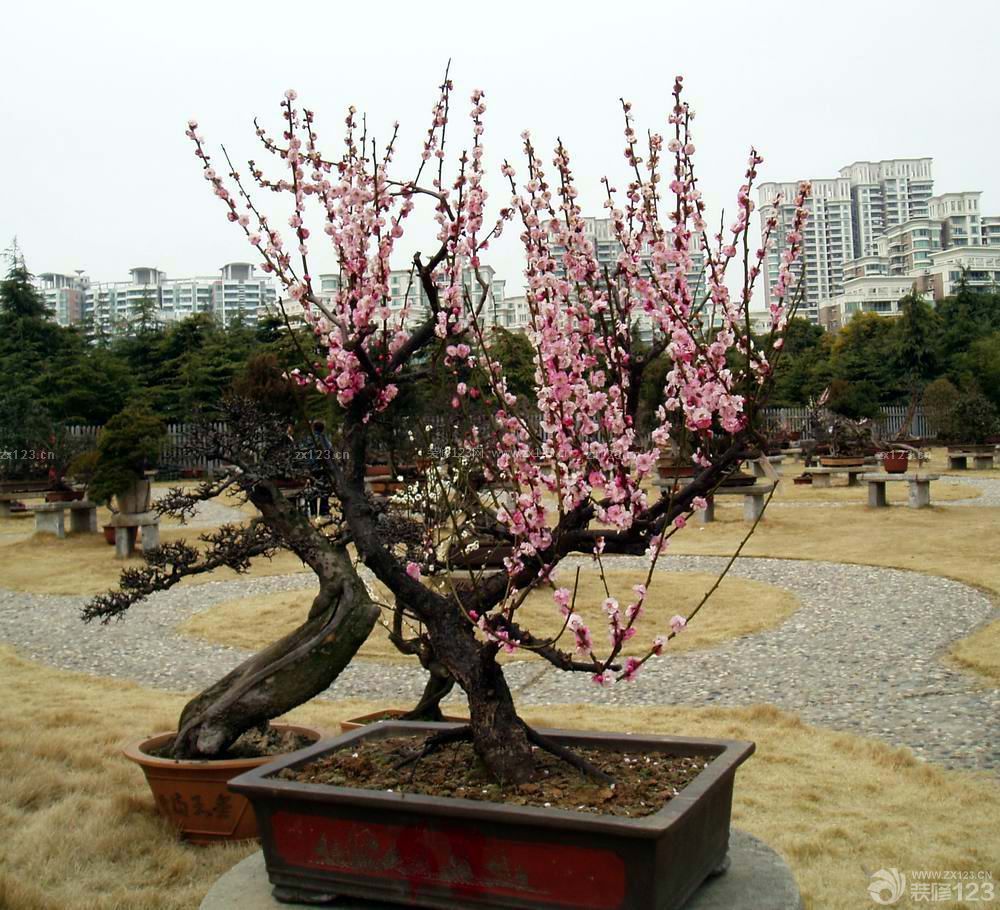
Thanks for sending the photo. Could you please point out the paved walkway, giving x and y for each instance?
(863, 653)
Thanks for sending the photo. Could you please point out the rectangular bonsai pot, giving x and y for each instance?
(428, 851)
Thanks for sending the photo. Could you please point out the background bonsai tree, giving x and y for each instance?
(128, 445)
(561, 475)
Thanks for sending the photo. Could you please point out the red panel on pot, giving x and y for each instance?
(456, 858)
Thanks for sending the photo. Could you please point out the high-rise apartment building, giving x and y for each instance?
(600, 233)
(886, 193)
(405, 289)
(896, 228)
(64, 295)
(236, 293)
(828, 240)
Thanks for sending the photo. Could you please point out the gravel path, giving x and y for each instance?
(863, 653)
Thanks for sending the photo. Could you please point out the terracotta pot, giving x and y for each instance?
(109, 534)
(896, 462)
(432, 851)
(842, 461)
(194, 795)
(377, 717)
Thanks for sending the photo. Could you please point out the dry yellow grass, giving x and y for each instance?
(739, 607)
(980, 653)
(81, 829)
(84, 564)
(957, 543)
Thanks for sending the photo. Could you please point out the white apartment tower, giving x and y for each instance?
(847, 216)
(884, 194)
(600, 233)
(828, 240)
(237, 292)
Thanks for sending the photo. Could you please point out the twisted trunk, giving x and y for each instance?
(284, 675)
(299, 666)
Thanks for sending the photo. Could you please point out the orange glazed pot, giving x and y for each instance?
(195, 796)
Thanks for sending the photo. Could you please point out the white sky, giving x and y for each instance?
(98, 175)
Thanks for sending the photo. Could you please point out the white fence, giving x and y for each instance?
(886, 425)
(175, 451)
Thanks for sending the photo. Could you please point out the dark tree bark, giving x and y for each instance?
(302, 664)
(282, 676)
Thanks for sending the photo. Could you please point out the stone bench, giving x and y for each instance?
(920, 488)
(758, 467)
(822, 476)
(753, 501)
(126, 526)
(8, 499)
(50, 518)
(981, 461)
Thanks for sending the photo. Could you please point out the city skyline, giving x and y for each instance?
(131, 188)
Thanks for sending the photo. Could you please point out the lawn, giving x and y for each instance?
(739, 607)
(980, 653)
(81, 829)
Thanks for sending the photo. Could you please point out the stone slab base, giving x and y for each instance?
(757, 878)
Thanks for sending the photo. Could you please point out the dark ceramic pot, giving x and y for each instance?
(322, 841)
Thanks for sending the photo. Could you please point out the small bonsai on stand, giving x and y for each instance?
(128, 450)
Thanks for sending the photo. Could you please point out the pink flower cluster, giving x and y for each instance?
(582, 317)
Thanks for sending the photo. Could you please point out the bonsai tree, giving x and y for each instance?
(81, 469)
(561, 477)
(128, 446)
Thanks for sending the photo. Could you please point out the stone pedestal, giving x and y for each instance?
(126, 526)
(50, 519)
(876, 495)
(756, 878)
(920, 494)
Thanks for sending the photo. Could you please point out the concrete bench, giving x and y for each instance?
(50, 518)
(126, 526)
(821, 476)
(7, 500)
(959, 461)
(753, 501)
(758, 468)
(920, 488)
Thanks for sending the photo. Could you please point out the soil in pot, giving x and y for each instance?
(195, 796)
(644, 782)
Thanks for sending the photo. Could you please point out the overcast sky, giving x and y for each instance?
(98, 175)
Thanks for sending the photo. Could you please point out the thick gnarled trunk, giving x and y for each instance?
(282, 676)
